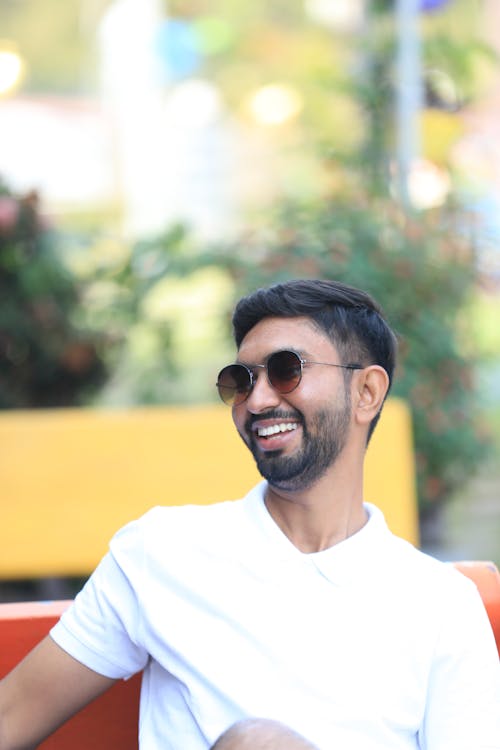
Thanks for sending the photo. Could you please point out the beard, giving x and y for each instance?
(324, 437)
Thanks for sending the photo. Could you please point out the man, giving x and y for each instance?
(292, 618)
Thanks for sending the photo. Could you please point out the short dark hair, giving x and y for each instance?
(350, 317)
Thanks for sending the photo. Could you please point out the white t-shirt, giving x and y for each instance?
(369, 645)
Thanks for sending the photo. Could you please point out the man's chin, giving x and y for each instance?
(281, 477)
(266, 460)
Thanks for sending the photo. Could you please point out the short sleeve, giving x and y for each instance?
(463, 702)
(102, 627)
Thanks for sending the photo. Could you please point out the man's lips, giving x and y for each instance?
(272, 423)
(273, 431)
(275, 428)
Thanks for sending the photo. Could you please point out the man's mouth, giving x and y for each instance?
(276, 433)
(275, 429)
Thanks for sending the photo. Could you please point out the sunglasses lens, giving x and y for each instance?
(284, 370)
(234, 384)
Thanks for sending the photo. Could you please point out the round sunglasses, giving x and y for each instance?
(284, 372)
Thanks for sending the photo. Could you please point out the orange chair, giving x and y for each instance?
(487, 579)
(111, 721)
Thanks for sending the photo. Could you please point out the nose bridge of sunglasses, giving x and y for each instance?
(262, 390)
(254, 373)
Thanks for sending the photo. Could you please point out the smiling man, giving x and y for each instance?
(291, 618)
(289, 449)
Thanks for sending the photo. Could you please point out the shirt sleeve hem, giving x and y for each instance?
(86, 655)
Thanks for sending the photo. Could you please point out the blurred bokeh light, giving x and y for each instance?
(275, 104)
(11, 70)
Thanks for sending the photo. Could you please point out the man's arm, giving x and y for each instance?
(42, 692)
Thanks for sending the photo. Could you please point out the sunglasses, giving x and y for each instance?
(284, 372)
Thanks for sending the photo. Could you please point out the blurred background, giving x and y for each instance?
(158, 159)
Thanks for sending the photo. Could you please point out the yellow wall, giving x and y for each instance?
(390, 480)
(70, 478)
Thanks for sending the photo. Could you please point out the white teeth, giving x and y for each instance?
(275, 428)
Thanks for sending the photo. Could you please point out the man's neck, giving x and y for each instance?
(321, 516)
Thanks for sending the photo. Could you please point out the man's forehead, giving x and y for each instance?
(274, 333)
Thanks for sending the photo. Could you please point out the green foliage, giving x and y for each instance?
(160, 310)
(44, 359)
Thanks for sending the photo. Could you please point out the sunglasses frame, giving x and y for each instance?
(252, 379)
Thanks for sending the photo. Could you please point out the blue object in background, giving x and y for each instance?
(426, 5)
(486, 209)
(178, 49)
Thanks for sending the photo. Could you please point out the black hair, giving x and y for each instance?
(350, 317)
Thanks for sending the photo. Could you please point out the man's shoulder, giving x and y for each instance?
(187, 525)
(423, 573)
(187, 514)
(173, 519)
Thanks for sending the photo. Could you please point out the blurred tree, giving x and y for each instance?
(44, 359)
(161, 312)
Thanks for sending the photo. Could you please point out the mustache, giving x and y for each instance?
(290, 416)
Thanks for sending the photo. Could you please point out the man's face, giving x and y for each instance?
(294, 437)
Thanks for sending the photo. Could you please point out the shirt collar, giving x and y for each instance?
(357, 557)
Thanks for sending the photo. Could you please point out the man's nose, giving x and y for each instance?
(263, 395)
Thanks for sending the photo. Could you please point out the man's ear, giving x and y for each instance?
(370, 389)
